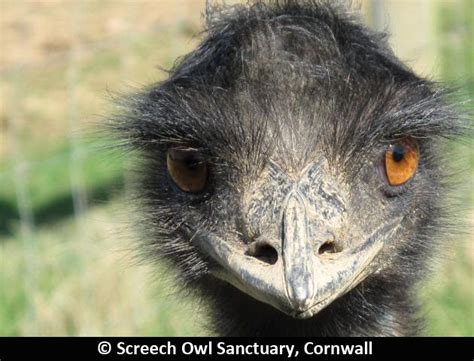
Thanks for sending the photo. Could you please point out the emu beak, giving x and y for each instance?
(301, 282)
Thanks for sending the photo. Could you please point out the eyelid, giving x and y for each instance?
(187, 146)
(184, 152)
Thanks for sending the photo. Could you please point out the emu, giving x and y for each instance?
(293, 173)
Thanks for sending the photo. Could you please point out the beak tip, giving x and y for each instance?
(301, 299)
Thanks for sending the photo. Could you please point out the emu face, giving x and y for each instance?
(292, 156)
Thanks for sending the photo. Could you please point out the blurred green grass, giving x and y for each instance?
(49, 183)
(449, 299)
(86, 283)
(77, 275)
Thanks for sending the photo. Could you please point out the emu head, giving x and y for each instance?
(292, 156)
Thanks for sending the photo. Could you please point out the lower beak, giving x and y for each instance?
(301, 282)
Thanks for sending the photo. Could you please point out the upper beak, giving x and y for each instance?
(301, 282)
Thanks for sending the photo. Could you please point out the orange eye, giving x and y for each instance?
(187, 168)
(401, 162)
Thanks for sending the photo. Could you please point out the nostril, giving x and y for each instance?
(328, 248)
(263, 251)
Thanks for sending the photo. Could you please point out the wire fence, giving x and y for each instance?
(21, 163)
(377, 14)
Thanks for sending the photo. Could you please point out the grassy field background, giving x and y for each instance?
(67, 265)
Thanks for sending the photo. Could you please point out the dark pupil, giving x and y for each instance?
(398, 153)
(191, 161)
(189, 158)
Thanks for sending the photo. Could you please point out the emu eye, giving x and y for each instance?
(401, 162)
(187, 168)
